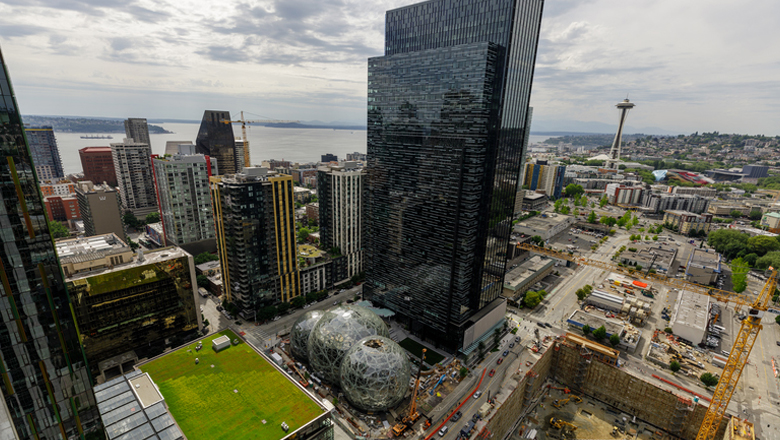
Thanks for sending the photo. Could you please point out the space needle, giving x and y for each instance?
(614, 152)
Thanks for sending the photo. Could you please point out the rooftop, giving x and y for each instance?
(234, 390)
(692, 310)
(76, 250)
(533, 196)
(135, 272)
(703, 258)
(131, 407)
(96, 149)
(646, 253)
(772, 214)
(526, 270)
(308, 251)
(596, 321)
(538, 221)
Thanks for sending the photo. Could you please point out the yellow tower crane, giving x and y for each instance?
(243, 130)
(743, 343)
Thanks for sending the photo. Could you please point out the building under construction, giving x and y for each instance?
(590, 370)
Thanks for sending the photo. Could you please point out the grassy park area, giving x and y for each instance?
(233, 394)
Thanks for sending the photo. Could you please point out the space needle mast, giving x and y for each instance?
(614, 152)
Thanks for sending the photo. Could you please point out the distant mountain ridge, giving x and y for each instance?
(96, 124)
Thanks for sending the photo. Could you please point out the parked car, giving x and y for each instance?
(443, 431)
(506, 352)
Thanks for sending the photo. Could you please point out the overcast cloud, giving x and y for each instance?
(689, 65)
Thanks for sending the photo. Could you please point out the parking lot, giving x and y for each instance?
(582, 241)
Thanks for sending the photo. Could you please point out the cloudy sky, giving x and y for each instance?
(690, 65)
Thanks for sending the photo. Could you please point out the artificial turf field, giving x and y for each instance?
(202, 400)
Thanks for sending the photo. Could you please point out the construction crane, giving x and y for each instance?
(743, 342)
(243, 130)
(413, 415)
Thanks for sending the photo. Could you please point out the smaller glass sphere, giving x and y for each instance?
(299, 337)
(336, 332)
(375, 374)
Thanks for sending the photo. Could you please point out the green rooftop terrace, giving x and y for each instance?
(233, 394)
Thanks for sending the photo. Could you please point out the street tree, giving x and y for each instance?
(709, 379)
(58, 230)
(600, 333)
(586, 330)
(739, 270)
(152, 217)
(675, 366)
(573, 190)
(614, 340)
(603, 201)
(592, 217)
(736, 214)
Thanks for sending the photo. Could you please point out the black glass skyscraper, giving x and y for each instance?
(215, 139)
(447, 111)
(45, 383)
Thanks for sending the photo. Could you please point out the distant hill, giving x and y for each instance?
(590, 127)
(94, 124)
(84, 125)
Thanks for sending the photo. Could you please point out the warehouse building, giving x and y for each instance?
(689, 319)
(521, 279)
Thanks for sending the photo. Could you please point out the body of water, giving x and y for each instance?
(293, 144)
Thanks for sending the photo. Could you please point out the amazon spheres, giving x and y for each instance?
(350, 345)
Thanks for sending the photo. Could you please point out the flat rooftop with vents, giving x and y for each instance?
(235, 393)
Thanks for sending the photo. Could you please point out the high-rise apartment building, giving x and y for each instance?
(544, 178)
(340, 193)
(128, 307)
(185, 202)
(215, 139)
(98, 165)
(447, 108)
(45, 154)
(137, 130)
(101, 209)
(46, 387)
(256, 240)
(133, 165)
(329, 158)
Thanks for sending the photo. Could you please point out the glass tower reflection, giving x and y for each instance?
(447, 109)
(45, 382)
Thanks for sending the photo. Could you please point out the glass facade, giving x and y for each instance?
(45, 154)
(375, 374)
(255, 225)
(139, 307)
(447, 112)
(45, 380)
(215, 139)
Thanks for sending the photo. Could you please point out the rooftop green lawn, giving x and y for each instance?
(415, 348)
(203, 401)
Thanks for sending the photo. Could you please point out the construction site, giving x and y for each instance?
(576, 390)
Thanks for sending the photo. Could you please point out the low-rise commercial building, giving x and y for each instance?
(546, 226)
(703, 266)
(62, 208)
(313, 212)
(771, 220)
(604, 300)
(689, 316)
(629, 335)
(660, 258)
(686, 222)
(519, 280)
(533, 201)
(129, 308)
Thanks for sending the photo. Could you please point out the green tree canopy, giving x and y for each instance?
(736, 214)
(205, 257)
(709, 379)
(614, 340)
(728, 242)
(537, 239)
(586, 330)
(739, 270)
(592, 217)
(299, 301)
(674, 366)
(573, 190)
(609, 221)
(532, 299)
(603, 201)
(600, 333)
(130, 220)
(761, 245)
(58, 230)
(755, 215)
(152, 217)
(303, 234)
(770, 259)
(203, 281)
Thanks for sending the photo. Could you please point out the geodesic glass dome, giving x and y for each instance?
(336, 332)
(375, 373)
(299, 336)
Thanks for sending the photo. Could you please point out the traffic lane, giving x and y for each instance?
(489, 387)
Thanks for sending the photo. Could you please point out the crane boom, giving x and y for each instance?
(744, 341)
(255, 121)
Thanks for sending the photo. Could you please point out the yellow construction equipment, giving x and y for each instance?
(243, 131)
(560, 424)
(576, 399)
(561, 402)
(413, 415)
(743, 342)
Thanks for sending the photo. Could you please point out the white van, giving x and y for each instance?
(443, 431)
